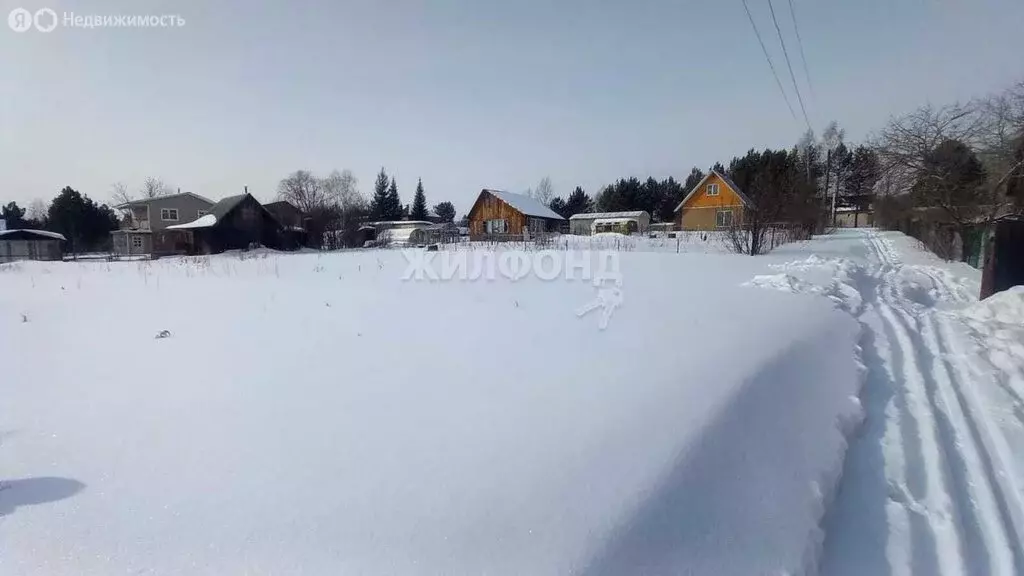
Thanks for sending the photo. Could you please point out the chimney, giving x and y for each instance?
(246, 189)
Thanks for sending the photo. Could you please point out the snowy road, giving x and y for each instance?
(930, 485)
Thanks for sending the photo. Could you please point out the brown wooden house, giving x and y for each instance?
(499, 215)
(715, 203)
(234, 223)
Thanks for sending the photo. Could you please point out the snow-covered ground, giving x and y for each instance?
(934, 482)
(318, 414)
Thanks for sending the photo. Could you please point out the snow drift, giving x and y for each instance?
(316, 415)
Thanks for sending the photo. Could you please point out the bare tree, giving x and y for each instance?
(303, 190)
(833, 136)
(906, 141)
(544, 191)
(342, 189)
(119, 193)
(1001, 132)
(153, 187)
(36, 210)
(308, 193)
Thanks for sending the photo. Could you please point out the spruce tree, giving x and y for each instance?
(577, 203)
(379, 203)
(559, 206)
(419, 203)
(393, 204)
(446, 211)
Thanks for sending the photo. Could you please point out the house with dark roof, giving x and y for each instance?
(295, 222)
(715, 203)
(499, 215)
(144, 223)
(287, 214)
(234, 223)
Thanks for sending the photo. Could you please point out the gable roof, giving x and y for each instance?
(524, 204)
(281, 205)
(218, 211)
(599, 215)
(728, 181)
(144, 201)
(225, 205)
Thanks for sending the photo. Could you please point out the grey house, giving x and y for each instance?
(144, 225)
(30, 245)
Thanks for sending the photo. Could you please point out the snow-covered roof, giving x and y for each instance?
(613, 221)
(202, 222)
(40, 233)
(401, 235)
(600, 215)
(144, 201)
(400, 224)
(526, 205)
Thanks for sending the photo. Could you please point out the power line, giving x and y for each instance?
(789, 65)
(800, 44)
(769, 58)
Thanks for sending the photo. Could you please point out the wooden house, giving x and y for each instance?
(294, 222)
(234, 223)
(715, 203)
(499, 215)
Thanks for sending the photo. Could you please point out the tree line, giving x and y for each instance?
(957, 167)
(85, 223)
(335, 208)
(950, 171)
(792, 189)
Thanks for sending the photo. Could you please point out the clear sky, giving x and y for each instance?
(466, 94)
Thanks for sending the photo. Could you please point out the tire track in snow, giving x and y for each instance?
(924, 494)
(1002, 497)
(983, 519)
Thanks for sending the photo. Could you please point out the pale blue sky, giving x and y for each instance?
(464, 93)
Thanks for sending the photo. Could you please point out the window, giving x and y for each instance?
(495, 227)
(723, 218)
(169, 214)
(137, 242)
(201, 213)
(712, 189)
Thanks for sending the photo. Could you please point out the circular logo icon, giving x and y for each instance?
(45, 20)
(19, 20)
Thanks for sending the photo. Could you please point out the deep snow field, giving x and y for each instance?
(320, 414)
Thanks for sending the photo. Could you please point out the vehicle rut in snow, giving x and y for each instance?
(949, 485)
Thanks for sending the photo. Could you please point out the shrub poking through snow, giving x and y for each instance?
(163, 334)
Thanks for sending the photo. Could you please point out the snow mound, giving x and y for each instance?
(812, 261)
(836, 279)
(783, 282)
(1006, 307)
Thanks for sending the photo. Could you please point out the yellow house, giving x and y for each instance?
(715, 203)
